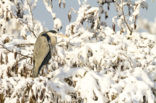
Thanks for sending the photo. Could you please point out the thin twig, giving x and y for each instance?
(23, 45)
(129, 28)
(26, 56)
(32, 19)
(22, 23)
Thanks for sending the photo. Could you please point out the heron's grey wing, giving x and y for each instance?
(41, 50)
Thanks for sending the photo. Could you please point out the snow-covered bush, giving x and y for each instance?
(95, 64)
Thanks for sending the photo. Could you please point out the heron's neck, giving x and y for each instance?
(50, 45)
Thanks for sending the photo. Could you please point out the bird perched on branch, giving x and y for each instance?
(43, 50)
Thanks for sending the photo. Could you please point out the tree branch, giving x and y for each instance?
(125, 21)
(26, 56)
(32, 19)
(23, 45)
(22, 23)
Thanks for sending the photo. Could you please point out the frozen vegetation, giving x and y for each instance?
(95, 64)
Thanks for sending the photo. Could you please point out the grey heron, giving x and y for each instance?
(43, 50)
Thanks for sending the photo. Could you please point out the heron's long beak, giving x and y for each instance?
(62, 36)
(58, 35)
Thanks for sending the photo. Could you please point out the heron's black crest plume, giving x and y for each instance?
(53, 31)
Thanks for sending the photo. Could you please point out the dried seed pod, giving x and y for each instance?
(113, 26)
(32, 99)
(51, 3)
(106, 14)
(31, 60)
(8, 72)
(135, 19)
(101, 9)
(64, 4)
(135, 26)
(6, 40)
(129, 9)
(93, 24)
(69, 15)
(1, 59)
(16, 67)
(68, 81)
(95, 98)
(90, 53)
(108, 6)
(15, 55)
(6, 58)
(72, 29)
(24, 71)
(2, 98)
(121, 30)
(42, 93)
(60, 3)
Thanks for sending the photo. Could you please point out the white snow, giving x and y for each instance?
(114, 69)
(91, 65)
(57, 24)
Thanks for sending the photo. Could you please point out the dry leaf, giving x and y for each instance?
(64, 4)
(69, 15)
(60, 3)
(6, 40)
(6, 58)
(15, 55)
(106, 15)
(113, 27)
(1, 59)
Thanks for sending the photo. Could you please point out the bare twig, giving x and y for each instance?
(26, 56)
(23, 45)
(22, 22)
(69, 13)
(32, 19)
(30, 9)
(105, 1)
(125, 21)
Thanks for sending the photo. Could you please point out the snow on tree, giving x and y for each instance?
(95, 64)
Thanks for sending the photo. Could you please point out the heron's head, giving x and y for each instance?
(54, 35)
